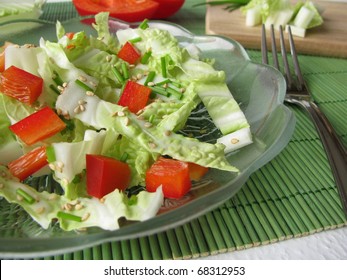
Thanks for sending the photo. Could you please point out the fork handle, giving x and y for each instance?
(334, 148)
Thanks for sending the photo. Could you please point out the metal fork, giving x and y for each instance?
(298, 93)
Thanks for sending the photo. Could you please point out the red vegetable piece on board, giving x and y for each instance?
(38, 126)
(29, 163)
(105, 174)
(129, 53)
(171, 174)
(129, 10)
(167, 8)
(20, 85)
(135, 96)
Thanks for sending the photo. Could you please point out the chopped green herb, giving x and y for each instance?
(135, 40)
(27, 197)
(163, 66)
(54, 88)
(118, 75)
(68, 216)
(150, 77)
(124, 157)
(174, 92)
(144, 24)
(56, 78)
(50, 154)
(146, 56)
(160, 90)
(83, 85)
(125, 71)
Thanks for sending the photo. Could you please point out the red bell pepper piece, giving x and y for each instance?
(196, 171)
(171, 174)
(29, 163)
(129, 53)
(38, 126)
(105, 174)
(135, 96)
(20, 84)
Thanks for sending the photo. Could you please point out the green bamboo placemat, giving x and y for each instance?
(294, 195)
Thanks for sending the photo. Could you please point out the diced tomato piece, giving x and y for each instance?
(135, 96)
(29, 163)
(2, 55)
(196, 171)
(105, 174)
(20, 84)
(130, 10)
(167, 8)
(70, 35)
(129, 53)
(38, 126)
(171, 174)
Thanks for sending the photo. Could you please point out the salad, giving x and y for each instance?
(102, 116)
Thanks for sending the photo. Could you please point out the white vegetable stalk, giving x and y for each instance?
(304, 17)
(236, 140)
(253, 16)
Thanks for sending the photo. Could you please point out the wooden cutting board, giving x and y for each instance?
(330, 39)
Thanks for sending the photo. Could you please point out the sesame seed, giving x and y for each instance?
(102, 200)
(182, 90)
(65, 84)
(19, 198)
(148, 124)
(152, 145)
(108, 58)
(77, 109)
(151, 84)
(82, 102)
(40, 210)
(52, 196)
(60, 164)
(234, 141)
(127, 121)
(68, 206)
(85, 216)
(167, 132)
(74, 202)
(82, 108)
(92, 83)
(78, 206)
(82, 78)
(139, 76)
(51, 166)
(89, 93)
(60, 88)
(120, 114)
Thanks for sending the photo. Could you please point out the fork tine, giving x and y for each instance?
(285, 60)
(274, 48)
(295, 61)
(264, 46)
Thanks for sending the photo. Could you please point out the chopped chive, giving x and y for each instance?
(83, 85)
(153, 95)
(151, 118)
(146, 56)
(118, 75)
(163, 66)
(56, 78)
(150, 77)
(174, 92)
(54, 88)
(163, 82)
(125, 71)
(160, 90)
(124, 157)
(176, 84)
(144, 24)
(135, 40)
(68, 216)
(27, 197)
(50, 153)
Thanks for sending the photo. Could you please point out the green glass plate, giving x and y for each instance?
(260, 91)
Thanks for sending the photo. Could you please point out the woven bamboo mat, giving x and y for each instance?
(292, 196)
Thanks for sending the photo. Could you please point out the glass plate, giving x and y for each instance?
(260, 91)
